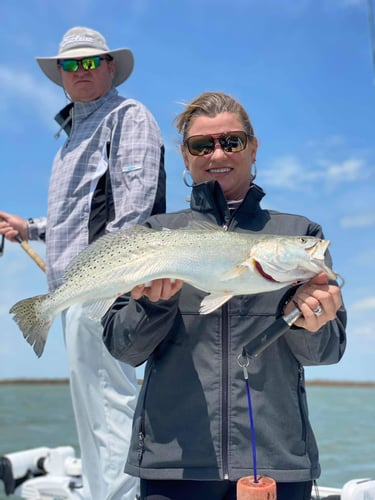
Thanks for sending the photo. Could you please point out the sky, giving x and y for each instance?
(304, 72)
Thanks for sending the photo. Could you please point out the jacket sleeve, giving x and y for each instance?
(136, 166)
(134, 328)
(324, 347)
(327, 345)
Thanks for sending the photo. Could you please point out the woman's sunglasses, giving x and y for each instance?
(87, 63)
(230, 142)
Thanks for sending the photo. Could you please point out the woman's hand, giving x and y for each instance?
(318, 302)
(160, 289)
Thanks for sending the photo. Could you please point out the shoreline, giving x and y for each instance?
(313, 382)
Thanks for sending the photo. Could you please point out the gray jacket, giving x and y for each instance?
(192, 419)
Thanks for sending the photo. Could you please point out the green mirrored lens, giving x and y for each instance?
(90, 62)
(86, 63)
(69, 64)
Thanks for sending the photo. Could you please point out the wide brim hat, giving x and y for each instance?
(81, 42)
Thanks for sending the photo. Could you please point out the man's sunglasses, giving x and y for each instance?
(230, 142)
(87, 63)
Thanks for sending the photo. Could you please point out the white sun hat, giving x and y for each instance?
(85, 42)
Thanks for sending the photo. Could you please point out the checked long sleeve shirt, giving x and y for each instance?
(111, 134)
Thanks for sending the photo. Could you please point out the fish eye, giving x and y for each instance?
(302, 240)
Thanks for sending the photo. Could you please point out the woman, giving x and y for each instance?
(191, 436)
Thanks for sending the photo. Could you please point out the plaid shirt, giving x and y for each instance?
(126, 129)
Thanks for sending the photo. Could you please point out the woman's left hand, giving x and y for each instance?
(318, 302)
(160, 289)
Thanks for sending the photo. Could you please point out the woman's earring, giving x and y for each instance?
(254, 173)
(184, 177)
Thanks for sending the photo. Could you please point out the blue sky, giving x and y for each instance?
(304, 72)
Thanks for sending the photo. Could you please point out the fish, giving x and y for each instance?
(221, 263)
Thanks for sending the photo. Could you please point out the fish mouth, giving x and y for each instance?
(318, 250)
(261, 271)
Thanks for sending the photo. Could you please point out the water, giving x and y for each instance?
(33, 415)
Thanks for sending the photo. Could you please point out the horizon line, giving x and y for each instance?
(311, 382)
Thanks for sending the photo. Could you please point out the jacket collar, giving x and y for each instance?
(208, 198)
(81, 111)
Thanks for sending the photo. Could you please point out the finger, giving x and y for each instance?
(137, 292)
(330, 301)
(177, 285)
(318, 309)
(169, 287)
(166, 289)
(154, 291)
(319, 279)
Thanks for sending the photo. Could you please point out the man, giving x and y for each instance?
(108, 175)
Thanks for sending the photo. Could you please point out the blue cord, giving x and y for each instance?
(252, 430)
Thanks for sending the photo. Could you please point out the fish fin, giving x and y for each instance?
(96, 310)
(213, 301)
(235, 272)
(33, 324)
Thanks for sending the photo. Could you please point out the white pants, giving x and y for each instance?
(104, 393)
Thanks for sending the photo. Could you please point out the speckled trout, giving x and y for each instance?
(221, 263)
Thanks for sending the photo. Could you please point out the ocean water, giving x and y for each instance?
(343, 417)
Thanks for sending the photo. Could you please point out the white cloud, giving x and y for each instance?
(361, 220)
(346, 171)
(20, 89)
(367, 304)
(297, 174)
(366, 331)
(288, 173)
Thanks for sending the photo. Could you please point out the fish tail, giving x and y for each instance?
(31, 320)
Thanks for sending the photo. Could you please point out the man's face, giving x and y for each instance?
(86, 85)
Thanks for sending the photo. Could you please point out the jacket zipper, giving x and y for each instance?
(301, 391)
(225, 382)
(141, 428)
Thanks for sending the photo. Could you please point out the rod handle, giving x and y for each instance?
(36, 258)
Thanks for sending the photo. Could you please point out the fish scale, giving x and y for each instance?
(221, 263)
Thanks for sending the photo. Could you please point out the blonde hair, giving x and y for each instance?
(211, 104)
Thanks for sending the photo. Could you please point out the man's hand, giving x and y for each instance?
(12, 226)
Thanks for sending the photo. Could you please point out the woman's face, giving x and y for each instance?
(231, 169)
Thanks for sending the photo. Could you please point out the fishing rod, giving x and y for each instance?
(36, 258)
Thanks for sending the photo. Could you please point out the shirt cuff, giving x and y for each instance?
(37, 229)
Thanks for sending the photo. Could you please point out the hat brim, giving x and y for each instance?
(123, 59)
